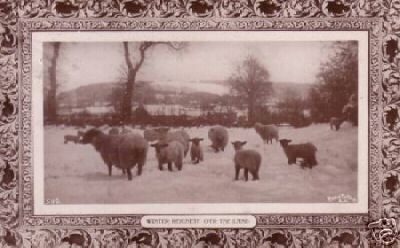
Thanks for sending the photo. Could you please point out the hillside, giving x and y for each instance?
(192, 92)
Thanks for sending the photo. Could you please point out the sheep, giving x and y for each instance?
(219, 137)
(72, 138)
(267, 132)
(196, 152)
(80, 133)
(181, 136)
(248, 159)
(169, 152)
(335, 122)
(123, 151)
(306, 151)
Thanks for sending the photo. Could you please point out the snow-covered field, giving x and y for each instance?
(75, 173)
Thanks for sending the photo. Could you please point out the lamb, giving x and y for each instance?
(196, 152)
(335, 122)
(267, 132)
(123, 151)
(72, 138)
(306, 151)
(170, 152)
(248, 159)
(219, 138)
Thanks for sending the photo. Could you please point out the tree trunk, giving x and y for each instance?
(126, 110)
(52, 94)
(250, 111)
(127, 97)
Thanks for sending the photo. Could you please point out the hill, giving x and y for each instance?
(88, 95)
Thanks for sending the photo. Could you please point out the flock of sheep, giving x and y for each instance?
(124, 148)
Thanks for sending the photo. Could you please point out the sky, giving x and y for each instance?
(83, 63)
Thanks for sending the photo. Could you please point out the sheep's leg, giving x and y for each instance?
(139, 169)
(246, 174)
(255, 175)
(237, 170)
(129, 172)
(109, 169)
(160, 166)
(169, 166)
(123, 172)
(178, 164)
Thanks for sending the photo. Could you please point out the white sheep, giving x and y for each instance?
(267, 132)
(247, 159)
(123, 151)
(181, 136)
(196, 152)
(219, 137)
(305, 151)
(168, 153)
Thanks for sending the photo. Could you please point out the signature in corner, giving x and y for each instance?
(342, 198)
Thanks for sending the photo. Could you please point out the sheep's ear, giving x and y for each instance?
(163, 145)
(244, 143)
(288, 141)
(154, 145)
(201, 139)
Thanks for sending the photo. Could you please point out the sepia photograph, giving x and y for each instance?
(198, 123)
(201, 122)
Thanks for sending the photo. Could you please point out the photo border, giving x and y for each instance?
(16, 199)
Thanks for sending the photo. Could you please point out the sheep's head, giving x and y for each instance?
(159, 146)
(89, 136)
(196, 141)
(285, 142)
(237, 145)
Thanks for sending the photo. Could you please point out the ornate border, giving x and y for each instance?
(28, 26)
(381, 18)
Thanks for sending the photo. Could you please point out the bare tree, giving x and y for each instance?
(133, 68)
(250, 83)
(52, 90)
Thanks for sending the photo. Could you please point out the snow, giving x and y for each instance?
(75, 173)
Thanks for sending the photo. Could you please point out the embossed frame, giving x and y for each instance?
(380, 18)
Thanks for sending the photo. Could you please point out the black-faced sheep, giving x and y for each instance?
(123, 151)
(196, 152)
(267, 132)
(247, 159)
(219, 138)
(335, 122)
(72, 138)
(168, 153)
(305, 151)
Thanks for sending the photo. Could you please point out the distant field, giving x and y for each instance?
(75, 173)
